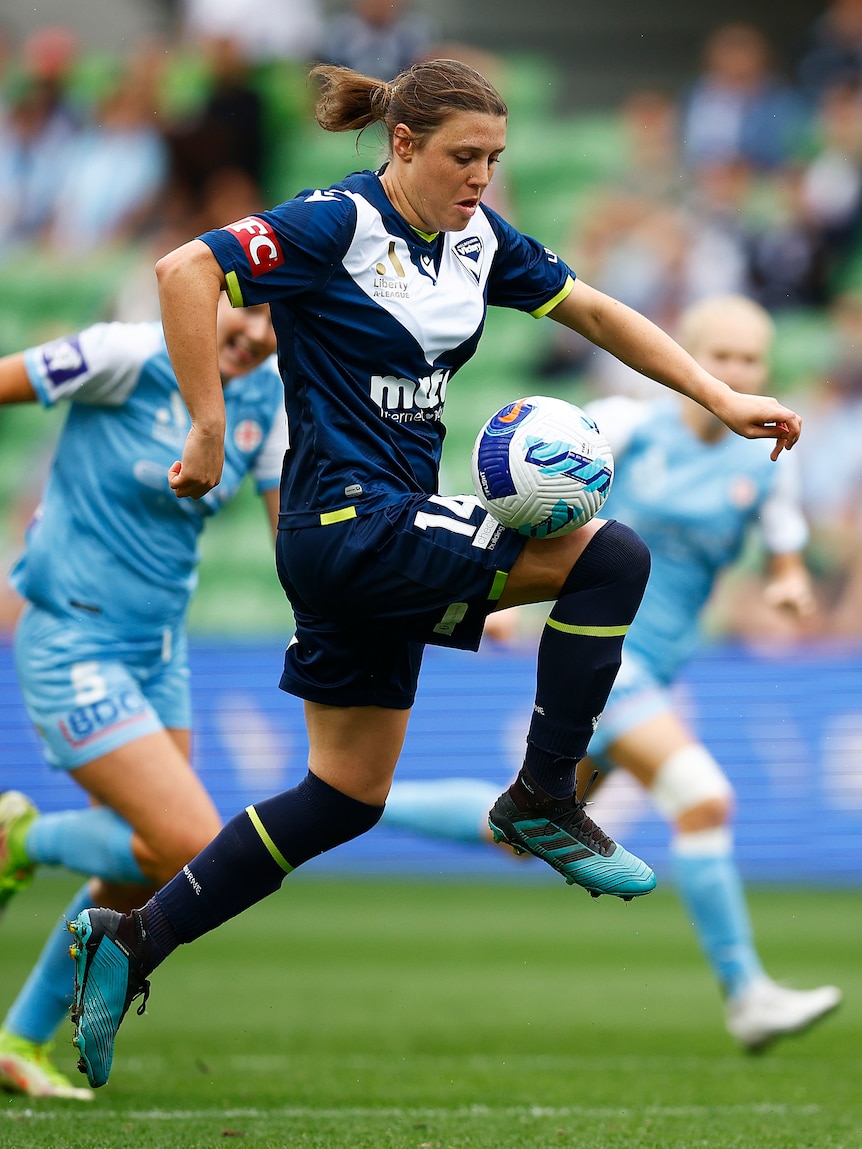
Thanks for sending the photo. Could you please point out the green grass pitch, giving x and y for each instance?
(345, 1014)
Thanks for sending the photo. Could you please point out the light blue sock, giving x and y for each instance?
(712, 892)
(94, 841)
(453, 808)
(44, 1000)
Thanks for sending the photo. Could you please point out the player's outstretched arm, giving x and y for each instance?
(639, 343)
(190, 282)
(15, 385)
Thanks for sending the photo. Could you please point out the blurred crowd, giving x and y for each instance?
(748, 179)
(98, 150)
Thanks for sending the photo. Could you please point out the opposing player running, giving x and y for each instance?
(108, 570)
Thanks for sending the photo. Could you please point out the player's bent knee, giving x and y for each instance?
(161, 861)
(690, 781)
(616, 560)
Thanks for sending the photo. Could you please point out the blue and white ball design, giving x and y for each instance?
(542, 466)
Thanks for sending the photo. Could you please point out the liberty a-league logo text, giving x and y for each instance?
(411, 400)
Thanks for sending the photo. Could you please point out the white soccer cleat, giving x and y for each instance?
(766, 1011)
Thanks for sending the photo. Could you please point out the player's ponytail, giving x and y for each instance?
(421, 97)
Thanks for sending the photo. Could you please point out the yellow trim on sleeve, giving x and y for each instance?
(565, 290)
(234, 291)
(589, 631)
(274, 851)
(337, 516)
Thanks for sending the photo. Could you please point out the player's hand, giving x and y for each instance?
(760, 417)
(201, 466)
(792, 592)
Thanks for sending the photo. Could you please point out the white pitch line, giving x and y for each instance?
(483, 1111)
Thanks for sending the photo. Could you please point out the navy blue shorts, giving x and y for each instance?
(369, 593)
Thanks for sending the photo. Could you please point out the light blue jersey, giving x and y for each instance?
(693, 503)
(111, 544)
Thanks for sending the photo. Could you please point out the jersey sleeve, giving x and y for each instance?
(284, 252)
(782, 523)
(100, 365)
(618, 417)
(525, 275)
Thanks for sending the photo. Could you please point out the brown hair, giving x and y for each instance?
(421, 97)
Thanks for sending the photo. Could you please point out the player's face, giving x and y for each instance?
(736, 351)
(441, 180)
(245, 338)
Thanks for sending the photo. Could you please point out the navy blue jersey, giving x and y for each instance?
(373, 319)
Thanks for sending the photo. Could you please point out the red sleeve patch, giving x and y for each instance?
(259, 243)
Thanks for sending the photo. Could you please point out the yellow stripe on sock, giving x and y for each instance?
(277, 855)
(589, 631)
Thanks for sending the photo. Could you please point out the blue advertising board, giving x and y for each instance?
(786, 725)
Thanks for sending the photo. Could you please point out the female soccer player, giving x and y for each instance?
(692, 491)
(378, 288)
(107, 572)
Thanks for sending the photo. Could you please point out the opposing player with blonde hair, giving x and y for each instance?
(691, 491)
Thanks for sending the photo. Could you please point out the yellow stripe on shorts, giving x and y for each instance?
(274, 851)
(498, 585)
(589, 631)
(337, 516)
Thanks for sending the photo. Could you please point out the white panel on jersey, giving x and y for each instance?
(441, 311)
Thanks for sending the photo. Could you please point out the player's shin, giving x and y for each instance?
(579, 656)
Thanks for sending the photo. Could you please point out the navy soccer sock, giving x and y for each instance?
(248, 860)
(580, 652)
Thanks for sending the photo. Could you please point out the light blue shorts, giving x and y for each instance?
(637, 695)
(88, 693)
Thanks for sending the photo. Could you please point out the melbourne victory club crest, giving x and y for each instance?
(469, 252)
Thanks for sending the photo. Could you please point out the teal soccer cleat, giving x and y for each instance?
(108, 978)
(560, 832)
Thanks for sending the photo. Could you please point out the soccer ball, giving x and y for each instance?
(542, 466)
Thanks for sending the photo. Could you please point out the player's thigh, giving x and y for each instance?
(87, 694)
(151, 785)
(116, 718)
(542, 567)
